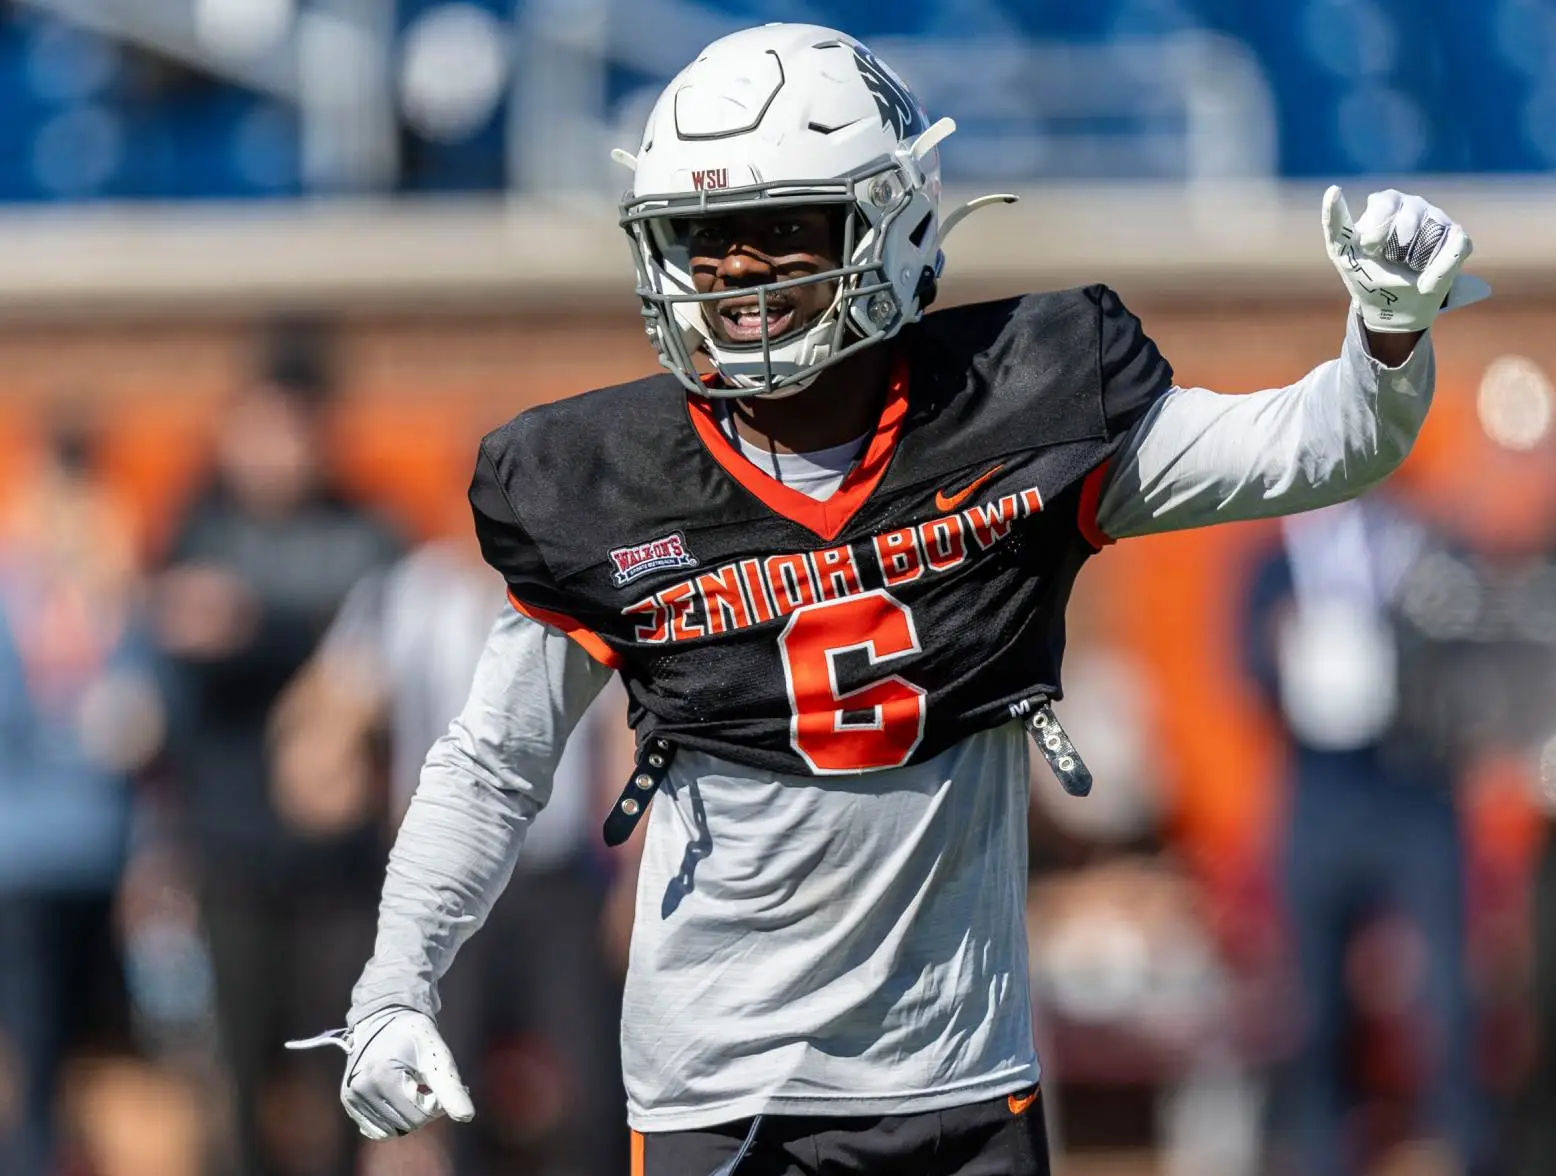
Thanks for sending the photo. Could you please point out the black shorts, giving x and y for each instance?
(1002, 1136)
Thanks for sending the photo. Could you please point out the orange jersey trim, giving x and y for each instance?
(638, 1166)
(829, 517)
(1091, 500)
(591, 641)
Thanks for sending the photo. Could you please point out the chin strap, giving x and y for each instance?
(930, 280)
(926, 143)
(971, 207)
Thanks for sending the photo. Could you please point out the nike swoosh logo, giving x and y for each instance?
(944, 501)
(357, 1061)
(1018, 1104)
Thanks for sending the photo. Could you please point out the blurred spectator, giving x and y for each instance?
(78, 715)
(256, 571)
(1142, 1024)
(1344, 641)
(531, 1007)
(1536, 1147)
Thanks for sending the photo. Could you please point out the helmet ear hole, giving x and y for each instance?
(920, 229)
(928, 286)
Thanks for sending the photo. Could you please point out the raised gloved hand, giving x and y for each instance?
(1400, 261)
(400, 1075)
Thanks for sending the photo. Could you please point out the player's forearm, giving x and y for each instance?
(1201, 457)
(1392, 349)
(453, 856)
(482, 785)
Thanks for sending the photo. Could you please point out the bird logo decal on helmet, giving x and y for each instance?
(899, 109)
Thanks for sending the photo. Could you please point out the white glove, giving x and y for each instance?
(399, 1073)
(1400, 261)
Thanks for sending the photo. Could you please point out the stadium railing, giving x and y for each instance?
(1254, 241)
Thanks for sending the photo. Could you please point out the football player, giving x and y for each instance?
(828, 552)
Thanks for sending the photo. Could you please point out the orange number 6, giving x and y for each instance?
(875, 726)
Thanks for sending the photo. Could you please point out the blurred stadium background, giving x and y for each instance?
(351, 235)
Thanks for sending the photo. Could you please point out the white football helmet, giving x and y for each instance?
(775, 116)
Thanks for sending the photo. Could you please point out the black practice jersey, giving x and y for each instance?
(914, 606)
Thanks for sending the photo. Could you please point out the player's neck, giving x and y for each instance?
(842, 405)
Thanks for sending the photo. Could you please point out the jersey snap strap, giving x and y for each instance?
(1037, 715)
(653, 764)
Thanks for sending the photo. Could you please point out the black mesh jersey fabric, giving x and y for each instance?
(925, 600)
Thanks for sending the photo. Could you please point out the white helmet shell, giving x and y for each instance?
(787, 114)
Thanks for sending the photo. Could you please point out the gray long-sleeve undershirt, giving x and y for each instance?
(840, 950)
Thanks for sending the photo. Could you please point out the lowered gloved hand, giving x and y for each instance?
(400, 1075)
(1400, 261)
